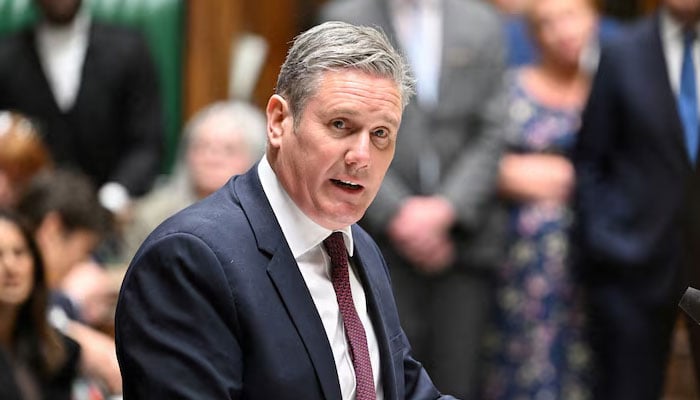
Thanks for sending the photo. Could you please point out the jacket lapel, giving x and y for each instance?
(91, 69)
(42, 89)
(287, 279)
(368, 277)
(659, 89)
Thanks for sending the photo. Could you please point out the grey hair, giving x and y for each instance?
(334, 46)
(253, 127)
(249, 119)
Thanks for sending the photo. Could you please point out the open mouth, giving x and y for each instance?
(346, 184)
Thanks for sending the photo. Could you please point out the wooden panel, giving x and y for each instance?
(649, 5)
(211, 27)
(214, 24)
(277, 22)
(680, 380)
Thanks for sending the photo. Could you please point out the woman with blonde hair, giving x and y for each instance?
(538, 349)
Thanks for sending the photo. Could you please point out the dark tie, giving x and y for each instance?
(355, 332)
(687, 98)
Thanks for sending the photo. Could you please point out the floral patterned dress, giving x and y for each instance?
(536, 350)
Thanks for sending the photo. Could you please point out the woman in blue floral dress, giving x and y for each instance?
(537, 349)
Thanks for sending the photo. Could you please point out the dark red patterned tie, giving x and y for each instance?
(355, 332)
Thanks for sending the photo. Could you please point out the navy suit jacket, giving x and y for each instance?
(637, 192)
(114, 131)
(214, 306)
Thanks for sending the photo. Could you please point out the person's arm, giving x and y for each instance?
(469, 185)
(176, 325)
(421, 231)
(536, 177)
(471, 182)
(598, 201)
(97, 355)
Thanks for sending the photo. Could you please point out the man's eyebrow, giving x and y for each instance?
(345, 111)
(354, 113)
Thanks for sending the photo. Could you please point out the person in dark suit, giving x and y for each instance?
(436, 217)
(247, 293)
(638, 199)
(93, 90)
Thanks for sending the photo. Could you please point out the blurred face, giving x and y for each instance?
(217, 152)
(563, 28)
(16, 266)
(685, 11)
(59, 12)
(63, 250)
(333, 164)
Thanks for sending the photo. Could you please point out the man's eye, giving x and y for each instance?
(339, 124)
(382, 133)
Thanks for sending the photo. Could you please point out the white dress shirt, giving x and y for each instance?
(419, 27)
(672, 43)
(62, 52)
(305, 239)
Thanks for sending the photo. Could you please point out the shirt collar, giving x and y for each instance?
(672, 29)
(301, 232)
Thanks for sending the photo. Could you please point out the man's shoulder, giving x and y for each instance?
(115, 31)
(480, 10)
(633, 37)
(205, 216)
(13, 43)
(119, 40)
(474, 17)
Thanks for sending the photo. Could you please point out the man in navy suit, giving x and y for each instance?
(234, 297)
(638, 199)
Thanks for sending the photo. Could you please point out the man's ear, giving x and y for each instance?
(279, 119)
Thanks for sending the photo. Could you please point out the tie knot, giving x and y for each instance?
(335, 246)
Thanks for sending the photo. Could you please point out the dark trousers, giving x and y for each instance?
(445, 318)
(631, 343)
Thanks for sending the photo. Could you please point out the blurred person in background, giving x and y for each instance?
(522, 49)
(638, 199)
(23, 154)
(435, 217)
(93, 89)
(538, 348)
(67, 222)
(519, 44)
(36, 360)
(221, 140)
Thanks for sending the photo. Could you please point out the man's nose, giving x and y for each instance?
(359, 152)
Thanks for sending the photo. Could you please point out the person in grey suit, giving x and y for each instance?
(248, 294)
(435, 217)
